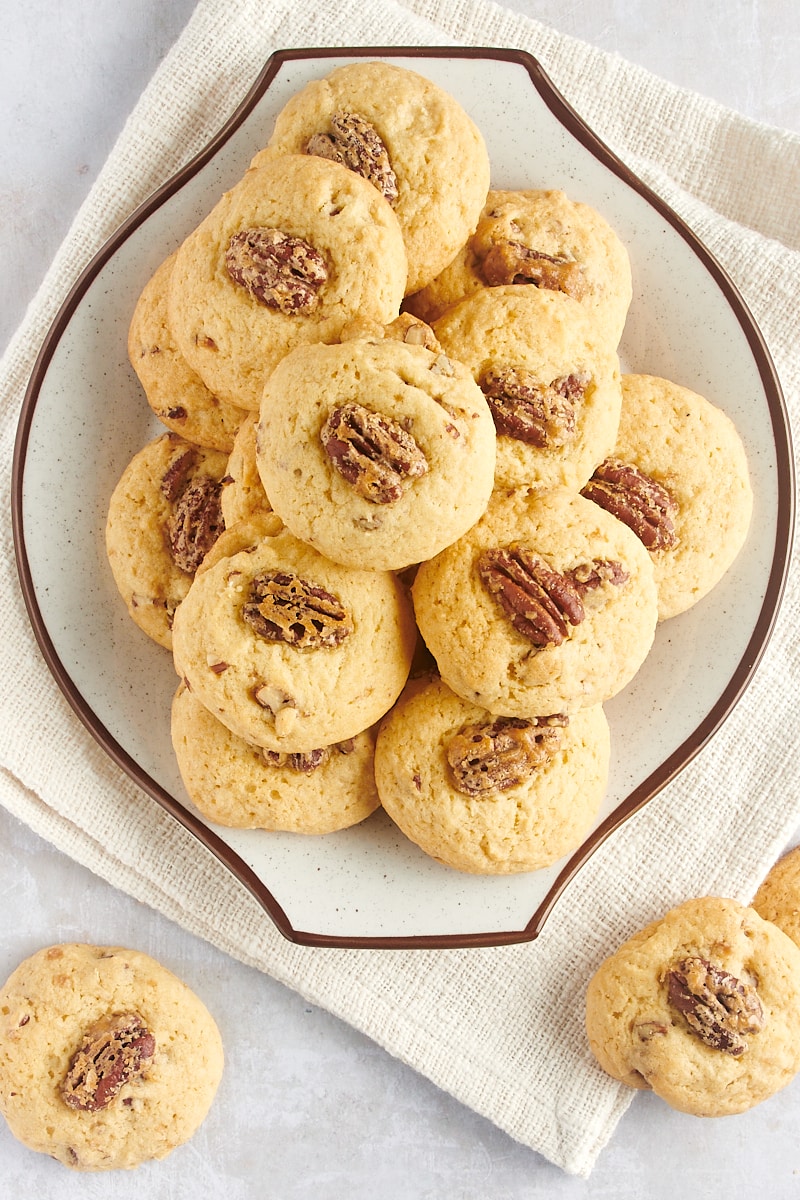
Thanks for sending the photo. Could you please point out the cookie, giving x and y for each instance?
(547, 605)
(778, 897)
(678, 476)
(235, 784)
(545, 239)
(163, 516)
(107, 1059)
(175, 393)
(411, 138)
(702, 1006)
(243, 490)
(295, 250)
(490, 795)
(290, 650)
(551, 380)
(377, 453)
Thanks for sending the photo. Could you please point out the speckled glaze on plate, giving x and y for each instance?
(368, 886)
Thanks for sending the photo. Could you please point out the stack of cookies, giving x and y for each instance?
(408, 527)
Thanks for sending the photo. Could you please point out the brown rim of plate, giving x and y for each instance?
(671, 766)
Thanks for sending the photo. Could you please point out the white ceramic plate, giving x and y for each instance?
(85, 416)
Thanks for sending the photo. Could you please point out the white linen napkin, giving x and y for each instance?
(501, 1029)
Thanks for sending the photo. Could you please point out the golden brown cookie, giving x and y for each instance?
(163, 517)
(778, 897)
(107, 1059)
(411, 138)
(678, 477)
(295, 250)
(236, 784)
(543, 239)
(490, 795)
(702, 1006)
(175, 393)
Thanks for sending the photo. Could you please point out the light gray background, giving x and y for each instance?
(308, 1107)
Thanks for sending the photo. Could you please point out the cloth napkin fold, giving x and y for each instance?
(501, 1028)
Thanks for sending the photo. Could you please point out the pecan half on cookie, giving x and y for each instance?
(513, 262)
(285, 608)
(196, 519)
(376, 456)
(276, 269)
(540, 603)
(541, 414)
(719, 1008)
(113, 1051)
(356, 144)
(493, 757)
(638, 500)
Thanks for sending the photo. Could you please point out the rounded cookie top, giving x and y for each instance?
(701, 1006)
(678, 476)
(546, 605)
(243, 490)
(235, 784)
(163, 516)
(551, 381)
(778, 897)
(545, 239)
(411, 138)
(295, 250)
(288, 649)
(490, 795)
(107, 1059)
(175, 393)
(378, 453)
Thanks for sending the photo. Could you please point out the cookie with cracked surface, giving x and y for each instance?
(296, 249)
(378, 453)
(489, 795)
(107, 1059)
(678, 476)
(236, 784)
(175, 393)
(288, 649)
(546, 605)
(163, 516)
(778, 896)
(702, 1006)
(551, 381)
(411, 138)
(545, 239)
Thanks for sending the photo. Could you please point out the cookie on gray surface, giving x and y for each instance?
(107, 1059)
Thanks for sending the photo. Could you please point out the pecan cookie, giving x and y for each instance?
(551, 381)
(701, 1006)
(544, 239)
(107, 1060)
(235, 784)
(378, 453)
(546, 605)
(678, 477)
(290, 650)
(485, 794)
(163, 517)
(175, 393)
(410, 138)
(295, 250)
(778, 897)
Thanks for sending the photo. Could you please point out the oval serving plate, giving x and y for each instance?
(368, 886)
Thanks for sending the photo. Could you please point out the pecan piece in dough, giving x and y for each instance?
(196, 522)
(540, 603)
(376, 456)
(514, 262)
(277, 270)
(284, 608)
(541, 414)
(494, 757)
(114, 1050)
(304, 763)
(590, 575)
(638, 500)
(356, 144)
(719, 1008)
